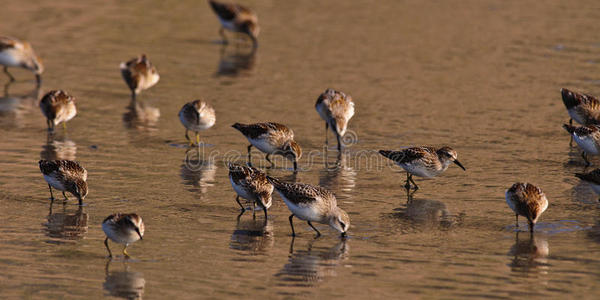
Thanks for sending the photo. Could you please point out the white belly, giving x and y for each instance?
(118, 237)
(306, 213)
(586, 143)
(242, 192)
(54, 183)
(9, 59)
(263, 145)
(228, 24)
(420, 170)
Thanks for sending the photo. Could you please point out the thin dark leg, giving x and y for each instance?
(187, 137)
(571, 141)
(106, 244)
(292, 225)
(587, 162)
(339, 142)
(295, 166)
(249, 155)
(222, 33)
(531, 225)
(407, 185)
(64, 195)
(517, 220)
(237, 198)
(313, 227)
(265, 210)
(51, 196)
(9, 75)
(326, 138)
(269, 160)
(80, 201)
(413, 182)
(253, 210)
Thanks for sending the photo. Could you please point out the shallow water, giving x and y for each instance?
(481, 76)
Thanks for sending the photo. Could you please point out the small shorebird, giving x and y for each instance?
(582, 108)
(336, 108)
(196, 116)
(423, 161)
(588, 139)
(271, 138)
(527, 200)
(236, 18)
(58, 107)
(312, 204)
(139, 74)
(592, 178)
(123, 229)
(65, 176)
(15, 53)
(251, 184)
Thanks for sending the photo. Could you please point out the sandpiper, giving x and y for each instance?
(588, 139)
(15, 53)
(236, 18)
(58, 107)
(592, 178)
(582, 108)
(251, 184)
(527, 200)
(65, 176)
(271, 138)
(336, 108)
(312, 204)
(139, 74)
(423, 161)
(196, 116)
(123, 229)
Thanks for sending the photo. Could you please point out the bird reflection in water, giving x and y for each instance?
(198, 170)
(529, 253)
(14, 107)
(66, 226)
(58, 146)
(238, 62)
(252, 235)
(426, 214)
(338, 176)
(124, 284)
(309, 267)
(141, 116)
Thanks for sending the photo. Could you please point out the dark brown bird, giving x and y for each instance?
(58, 107)
(65, 176)
(139, 74)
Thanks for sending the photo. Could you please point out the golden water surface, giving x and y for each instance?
(480, 76)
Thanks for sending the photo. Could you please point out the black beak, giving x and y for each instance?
(344, 234)
(295, 166)
(38, 79)
(459, 164)
(138, 232)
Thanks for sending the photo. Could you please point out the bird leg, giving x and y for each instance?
(253, 210)
(407, 185)
(587, 162)
(51, 196)
(292, 225)
(107, 248)
(339, 142)
(64, 195)
(187, 137)
(313, 227)
(571, 141)
(237, 198)
(133, 94)
(531, 226)
(413, 182)
(198, 139)
(265, 210)
(125, 252)
(250, 155)
(222, 33)
(64, 125)
(269, 160)
(326, 139)
(9, 75)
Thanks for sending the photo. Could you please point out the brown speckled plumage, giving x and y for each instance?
(252, 184)
(58, 107)
(123, 229)
(336, 109)
(139, 74)
(582, 108)
(236, 18)
(16, 53)
(65, 175)
(527, 200)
